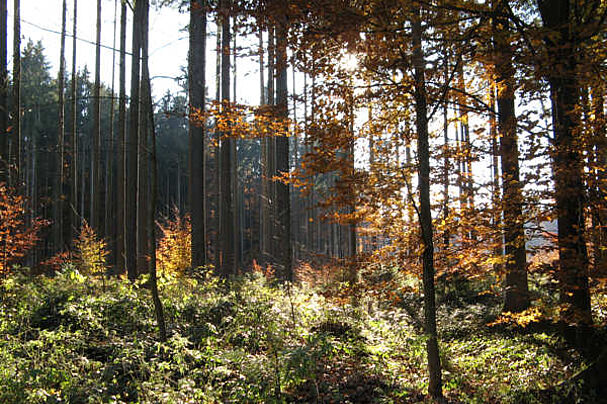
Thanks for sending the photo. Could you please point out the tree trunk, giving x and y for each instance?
(112, 156)
(425, 213)
(226, 230)
(3, 92)
(217, 249)
(15, 149)
(283, 202)
(197, 62)
(516, 296)
(235, 192)
(60, 143)
(120, 175)
(143, 155)
(496, 198)
(96, 157)
(149, 117)
(131, 153)
(270, 163)
(73, 218)
(599, 186)
(567, 162)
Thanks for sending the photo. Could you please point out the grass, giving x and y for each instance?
(78, 340)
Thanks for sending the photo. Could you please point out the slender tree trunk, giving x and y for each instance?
(268, 185)
(516, 297)
(15, 150)
(496, 193)
(120, 175)
(283, 200)
(111, 159)
(149, 109)
(228, 262)
(143, 156)
(73, 218)
(446, 162)
(599, 189)
(423, 151)
(197, 62)
(96, 157)
(3, 92)
(235, 182)
(131, 153)
(218, 151)
(264, 157)
(567, 163)
(60, 143)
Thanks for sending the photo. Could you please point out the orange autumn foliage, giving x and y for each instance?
(17, 234)
(173, 251)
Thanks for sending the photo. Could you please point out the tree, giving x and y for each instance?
(196, 80)
(283, 199)
(425, 213)
(131, 189)
(96, 156)
(72, 218)
(516, 296)
(3, 93)
(120, 174)
(60, 142)
(18, 234)
(15, 159)
(150, 219)
(565, 28)
(226, 231)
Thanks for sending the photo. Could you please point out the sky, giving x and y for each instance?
(168, 42)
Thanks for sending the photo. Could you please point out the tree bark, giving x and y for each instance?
(120, 175)
(143, 154)
(283, 202)
(4, 165)
(567, 162)
(131, 152)
(15, 149)
(425, 213)
(58, 189)
(73, 217)
(147, 92)
(226, 209)
(197, 62)
(111, 158)
(516, 296)
(96, 157)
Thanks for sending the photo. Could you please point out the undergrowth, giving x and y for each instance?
(73, 339)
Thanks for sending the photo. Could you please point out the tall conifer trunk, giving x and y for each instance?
(196, 70)
(146, 93)
(120, 174)
(131, 153)
(143, 155)
(96, 157)
(111, 159)
(58, 189)
(73, 218)
(226, 230)
(3, 91)
(15, 148)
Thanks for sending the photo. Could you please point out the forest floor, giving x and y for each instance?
(79, 340)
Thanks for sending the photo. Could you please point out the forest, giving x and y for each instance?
(397, 202)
